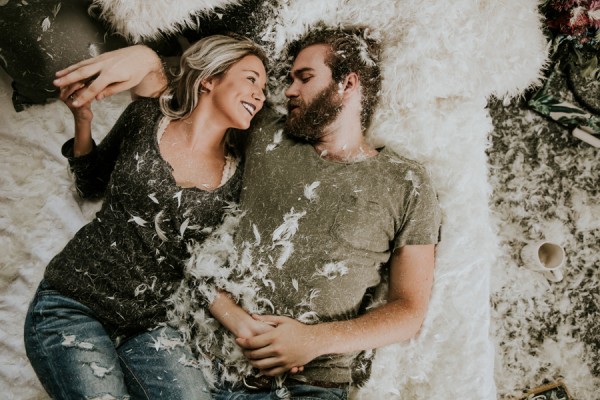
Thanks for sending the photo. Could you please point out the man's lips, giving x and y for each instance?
(292, 107)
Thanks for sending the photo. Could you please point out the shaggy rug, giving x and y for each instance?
(441, 63)
(545, 187)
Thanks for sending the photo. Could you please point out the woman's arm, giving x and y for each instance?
(82, 116)
(93, 165)
(235, 319)
(137, 68)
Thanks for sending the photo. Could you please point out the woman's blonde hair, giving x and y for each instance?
(207, 58)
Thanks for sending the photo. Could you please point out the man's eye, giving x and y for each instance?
(305, 79)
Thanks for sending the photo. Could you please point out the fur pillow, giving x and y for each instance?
(142, 19)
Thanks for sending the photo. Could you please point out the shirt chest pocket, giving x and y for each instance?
(363, 223)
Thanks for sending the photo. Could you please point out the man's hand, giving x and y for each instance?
(137, 67)
(289, 344)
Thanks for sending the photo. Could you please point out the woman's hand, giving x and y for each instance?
(289, 344)
(82, 116)
(136, 67)
(82, 113)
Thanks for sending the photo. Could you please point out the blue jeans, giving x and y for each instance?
(296, 392)
(74, 356)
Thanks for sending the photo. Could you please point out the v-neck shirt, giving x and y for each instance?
(126, 262)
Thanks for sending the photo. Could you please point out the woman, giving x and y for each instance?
(96, 326)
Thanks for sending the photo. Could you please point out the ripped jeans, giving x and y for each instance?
(75, 358)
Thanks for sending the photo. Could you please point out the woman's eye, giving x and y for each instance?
(252, 79)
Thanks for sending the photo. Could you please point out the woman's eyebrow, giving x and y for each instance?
(264, 90)
(253, 71)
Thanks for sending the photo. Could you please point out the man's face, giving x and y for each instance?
(314, 101)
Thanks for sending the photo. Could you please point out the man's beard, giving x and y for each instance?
(309, 121)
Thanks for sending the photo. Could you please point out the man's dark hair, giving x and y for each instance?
(352, 49)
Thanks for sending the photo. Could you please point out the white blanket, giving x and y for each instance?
(442, 60)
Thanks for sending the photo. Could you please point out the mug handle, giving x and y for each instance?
(554, 275)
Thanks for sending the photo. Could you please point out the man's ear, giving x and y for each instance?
(351, 84)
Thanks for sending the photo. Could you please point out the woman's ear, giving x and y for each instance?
(207, 84)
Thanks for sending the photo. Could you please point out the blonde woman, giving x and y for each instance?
(96, 327)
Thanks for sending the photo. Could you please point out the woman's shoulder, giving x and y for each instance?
(144, 105)
(141, 111)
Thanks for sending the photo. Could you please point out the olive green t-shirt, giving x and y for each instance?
(323, 229)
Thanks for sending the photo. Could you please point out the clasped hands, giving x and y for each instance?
(283, 345)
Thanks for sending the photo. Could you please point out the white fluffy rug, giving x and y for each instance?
(442, 60)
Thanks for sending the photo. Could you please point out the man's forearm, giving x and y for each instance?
(155, 81)
(390, 323)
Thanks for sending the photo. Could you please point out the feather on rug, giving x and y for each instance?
(442, 60)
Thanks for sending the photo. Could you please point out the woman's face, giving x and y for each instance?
(240, 93)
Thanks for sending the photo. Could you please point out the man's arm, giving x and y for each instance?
(136, 67)
(293, 343)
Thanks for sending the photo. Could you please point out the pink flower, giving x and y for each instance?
(562, 5)
(594, 5)
(579, 17)
(594, 14)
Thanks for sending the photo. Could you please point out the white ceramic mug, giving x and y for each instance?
(545, 257)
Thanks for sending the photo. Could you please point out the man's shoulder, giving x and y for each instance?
(268, 119)
(399, 164)
(267, 124)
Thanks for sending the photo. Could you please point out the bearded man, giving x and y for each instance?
(363, 216)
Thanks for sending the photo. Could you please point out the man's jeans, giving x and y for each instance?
(296, 392)
(75, 358)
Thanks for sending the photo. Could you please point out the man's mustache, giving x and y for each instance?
(293, 103)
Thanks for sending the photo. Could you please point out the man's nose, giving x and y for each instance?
(291, 91)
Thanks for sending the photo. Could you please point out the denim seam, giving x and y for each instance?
(53, 370)
(139, 382)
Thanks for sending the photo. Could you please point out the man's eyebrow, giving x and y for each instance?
(300, 71)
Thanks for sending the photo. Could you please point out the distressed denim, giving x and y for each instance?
(75, 358)
(296, 392)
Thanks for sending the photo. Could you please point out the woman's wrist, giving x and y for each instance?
(83, 142)
(233, 317)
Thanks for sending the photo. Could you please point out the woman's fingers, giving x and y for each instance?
(69, 92)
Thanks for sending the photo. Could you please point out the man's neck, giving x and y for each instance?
(345, 141)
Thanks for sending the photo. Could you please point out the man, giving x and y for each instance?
(357, 214)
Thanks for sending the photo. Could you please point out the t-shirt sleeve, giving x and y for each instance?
(421, 221)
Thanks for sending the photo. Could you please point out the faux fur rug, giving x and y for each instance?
(546, 186)
(442, 61)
